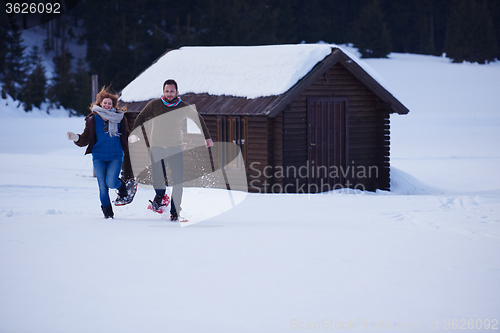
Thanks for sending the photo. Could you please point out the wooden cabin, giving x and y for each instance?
(329, 130)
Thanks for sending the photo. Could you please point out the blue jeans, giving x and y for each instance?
(107, 173)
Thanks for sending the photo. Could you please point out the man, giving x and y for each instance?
(168, 114)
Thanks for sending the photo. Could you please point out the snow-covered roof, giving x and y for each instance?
(244, 71)
(248, 71)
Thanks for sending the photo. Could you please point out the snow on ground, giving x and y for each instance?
(451, 137)
(416, 258)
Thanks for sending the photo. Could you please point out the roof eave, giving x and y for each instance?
(359, 73)
(302, 84)
(395, 106)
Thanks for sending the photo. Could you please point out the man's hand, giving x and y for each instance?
(133, 138)
(209, 143)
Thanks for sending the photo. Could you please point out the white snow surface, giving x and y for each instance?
(410, 259)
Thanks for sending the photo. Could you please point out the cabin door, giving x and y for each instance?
(327, 143)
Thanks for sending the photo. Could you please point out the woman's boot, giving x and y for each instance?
(107, 211)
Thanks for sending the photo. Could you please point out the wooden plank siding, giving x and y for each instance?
(258, 153)
(277, 146)
(368, 140)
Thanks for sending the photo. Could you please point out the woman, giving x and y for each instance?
(105, 135)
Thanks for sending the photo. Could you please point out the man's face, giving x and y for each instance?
(170, 93)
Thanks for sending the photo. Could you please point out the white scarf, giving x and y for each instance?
(114, 117)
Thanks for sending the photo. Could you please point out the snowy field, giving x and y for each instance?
(424, 257)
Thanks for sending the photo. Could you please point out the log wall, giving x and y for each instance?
(368, 143)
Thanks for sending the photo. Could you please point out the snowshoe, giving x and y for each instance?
(159, 204)
(126, 192)
(176, 218)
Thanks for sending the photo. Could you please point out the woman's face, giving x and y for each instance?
(107, 103)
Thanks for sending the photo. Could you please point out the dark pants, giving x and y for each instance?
(173, 157)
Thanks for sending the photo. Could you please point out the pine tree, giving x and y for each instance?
(426, 29)
(127, 34)
(83, 89)
(34, 90)
(494, 9)
(14, 73)
(470, 35)
(62, 90)
(371, 36)
(4, 28)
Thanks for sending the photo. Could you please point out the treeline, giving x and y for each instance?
(23, 75)
(123, 37)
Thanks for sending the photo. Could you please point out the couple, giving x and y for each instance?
(105, 135)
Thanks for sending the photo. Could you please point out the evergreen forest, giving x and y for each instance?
(123, 37)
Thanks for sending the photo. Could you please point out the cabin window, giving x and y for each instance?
(232, 129)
